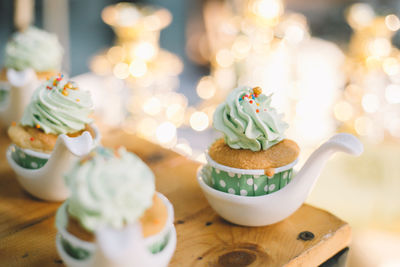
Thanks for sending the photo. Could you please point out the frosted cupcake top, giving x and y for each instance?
(248, 121)
(33, 48)
(58, 106)
(109, 188)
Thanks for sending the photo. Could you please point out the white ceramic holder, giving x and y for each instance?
(47, 182)
(274, 207)
(122, 248)
(22, 84)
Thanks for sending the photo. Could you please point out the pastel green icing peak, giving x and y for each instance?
(107, 188)
(248, 121)
(58, 106)
(33, 48)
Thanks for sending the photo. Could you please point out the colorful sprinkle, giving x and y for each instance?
(258, 104)
(37, 126)
(65, 92)
(77, 100)
(265, 109)
(48, 87)
(251, 101)
(31, 138)
(257, 110)
(68, 86)
(257, 90)
(13, 123)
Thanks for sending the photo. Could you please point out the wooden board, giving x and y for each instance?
(27, 232)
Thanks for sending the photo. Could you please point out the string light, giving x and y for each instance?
(374, 94)
(199, 121)
(392, 22)
(166, 132)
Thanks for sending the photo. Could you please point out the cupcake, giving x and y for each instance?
(114, 190)
(57, 107)
(31, 56)
(33, 48)
(253, 158)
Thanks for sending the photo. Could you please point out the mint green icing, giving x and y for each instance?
(58, 113)
(245, 128)
(109, 190)
(33, 48)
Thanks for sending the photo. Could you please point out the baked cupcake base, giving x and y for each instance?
(35, 139)
(30, 158)
(152, 221)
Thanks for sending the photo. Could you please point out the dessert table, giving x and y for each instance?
(310, 237)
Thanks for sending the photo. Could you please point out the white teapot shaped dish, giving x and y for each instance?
(41, 174)
(117, 248)
(277, 206)
(19, 86)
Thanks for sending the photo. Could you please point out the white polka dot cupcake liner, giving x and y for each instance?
(27, 158)
(247, 182)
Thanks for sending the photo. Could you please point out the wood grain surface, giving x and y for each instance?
(27, 231)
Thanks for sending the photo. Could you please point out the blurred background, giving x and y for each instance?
(159, 69)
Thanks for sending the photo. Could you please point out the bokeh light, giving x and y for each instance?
(206, 87)
(199, 121)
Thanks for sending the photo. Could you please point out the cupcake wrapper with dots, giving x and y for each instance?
(247, 182)
(28, 159)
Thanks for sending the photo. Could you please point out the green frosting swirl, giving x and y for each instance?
(33, 48)
(57, 109)
(109, 189)
(248, 121)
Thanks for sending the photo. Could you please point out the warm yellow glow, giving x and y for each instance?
(241, 46)
(166, 132)
(138, 68)
(147, 127)
(144, 51)
(199, 121)
(175, 113)
(343, 111)
(267, 9)
(152, 23)
(373, 62)
(224, 58)
(152, 106)
(370, 103)
(121, 70)
(391, 66)
(109, 15)
(100, 65)
(127, 14)
(392, 22)
(392, 94)
(206, 88)
(225, 78)
(394, 127)
(360, 15)
(379, 47)
(116, 54)
(363, 125)
(294, 34)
